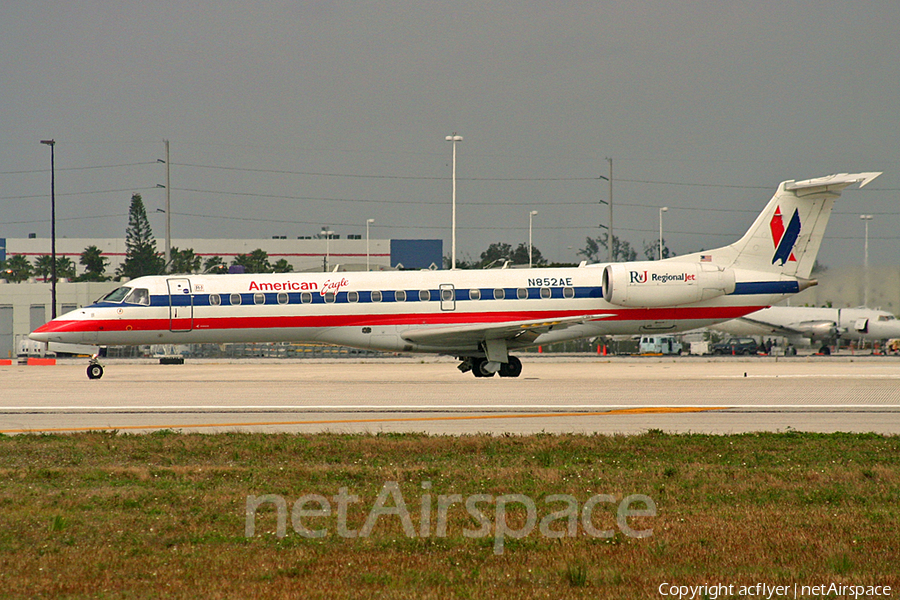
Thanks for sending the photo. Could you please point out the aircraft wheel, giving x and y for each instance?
(825, 350)
(478, 368)
(511, 369)
(94, 371)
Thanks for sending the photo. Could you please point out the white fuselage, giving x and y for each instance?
(378, 310)
(817, 323)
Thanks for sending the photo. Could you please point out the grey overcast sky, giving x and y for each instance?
(286, 117)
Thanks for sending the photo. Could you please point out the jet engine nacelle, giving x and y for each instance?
(652, 284)
(819, 330)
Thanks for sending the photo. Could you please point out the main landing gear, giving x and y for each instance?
(482, 367)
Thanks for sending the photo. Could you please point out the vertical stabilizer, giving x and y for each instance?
(786, 236)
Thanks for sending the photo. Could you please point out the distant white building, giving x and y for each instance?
(26, 306)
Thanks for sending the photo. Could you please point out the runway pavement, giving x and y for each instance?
(554, 394)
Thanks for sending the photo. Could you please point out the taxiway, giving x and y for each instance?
(554, 395)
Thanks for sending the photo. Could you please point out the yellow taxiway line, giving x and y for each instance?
(623, 411)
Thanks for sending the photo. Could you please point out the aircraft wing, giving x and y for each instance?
(771, 327)
(812, 329)
(513, 330)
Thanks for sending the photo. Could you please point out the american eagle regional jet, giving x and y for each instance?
(478, 316)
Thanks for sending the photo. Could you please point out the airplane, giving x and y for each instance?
(827, 325)
(479, 316)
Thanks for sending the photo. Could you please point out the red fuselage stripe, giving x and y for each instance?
(368, 319)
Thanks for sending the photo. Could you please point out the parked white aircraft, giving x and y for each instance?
(816, 324)
(478, 316)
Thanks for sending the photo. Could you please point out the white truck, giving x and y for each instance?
(659, 344)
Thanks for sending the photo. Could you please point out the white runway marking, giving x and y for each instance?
(434, 407)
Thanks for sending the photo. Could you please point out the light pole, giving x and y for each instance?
(52, 144)
(530, 245)
(610, 205)
(327, 233)
(610, 228)
(453, 139)
(662, 209)
(368, 222)
(865, 219)
(168, 209)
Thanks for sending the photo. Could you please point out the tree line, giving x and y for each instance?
(141, 258)
(595, 250)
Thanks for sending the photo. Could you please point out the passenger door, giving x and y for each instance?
(448, 297)
(181, 305)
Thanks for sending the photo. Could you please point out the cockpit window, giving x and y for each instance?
(138, 296)
(117, 295)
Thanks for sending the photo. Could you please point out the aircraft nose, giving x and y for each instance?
(42, 333)
(57, 331)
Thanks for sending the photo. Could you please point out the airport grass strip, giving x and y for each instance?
(106, 514)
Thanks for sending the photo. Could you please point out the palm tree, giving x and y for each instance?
(283, 266)
(94, 265)
(214, 264)
(17, 269)
(43, 266)
(255, 262)
(65, 268)
(184, 261)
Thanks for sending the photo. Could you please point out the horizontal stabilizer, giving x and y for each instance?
(834, 182)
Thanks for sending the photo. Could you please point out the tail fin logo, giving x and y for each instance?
(784, 239)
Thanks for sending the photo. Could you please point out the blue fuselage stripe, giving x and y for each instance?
(766, 287)
(459, 295)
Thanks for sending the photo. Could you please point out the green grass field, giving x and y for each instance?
(101, 515)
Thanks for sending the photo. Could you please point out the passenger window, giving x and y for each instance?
(376, 296)
(306, 297)
(329, 297)
(545, 293)
(568, 292)
(259, 298)
(235, 299)
(215, 300)
(499, 294)
(522, 293)
(424, 295)
(353, 297)
(474, 294)
(446, 295)
(283, 298)
(400, 296)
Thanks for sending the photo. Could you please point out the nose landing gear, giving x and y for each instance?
(95, 369)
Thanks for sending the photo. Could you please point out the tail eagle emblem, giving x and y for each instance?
(784, 239)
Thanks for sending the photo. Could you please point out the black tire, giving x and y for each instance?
(95, 371)
(513, 368)
(478, 370)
